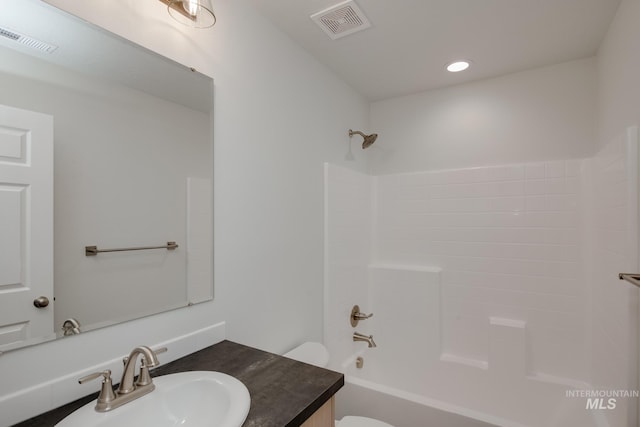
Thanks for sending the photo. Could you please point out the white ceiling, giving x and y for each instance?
(411, 41)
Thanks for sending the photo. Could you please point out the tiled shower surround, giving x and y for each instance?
(509, 244)
(490, 285)
(613, 235)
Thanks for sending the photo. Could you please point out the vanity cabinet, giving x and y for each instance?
(284, 392)
(323, 417)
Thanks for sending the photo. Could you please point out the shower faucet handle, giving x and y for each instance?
(362, 316)
(356, 316)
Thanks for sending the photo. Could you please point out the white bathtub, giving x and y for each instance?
(399, 408)
(403, 408)
(411, 379)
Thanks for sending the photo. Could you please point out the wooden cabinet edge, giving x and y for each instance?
(323, 417)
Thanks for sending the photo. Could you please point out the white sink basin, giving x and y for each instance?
(190, 399)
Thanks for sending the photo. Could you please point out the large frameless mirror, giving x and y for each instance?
(132, 170)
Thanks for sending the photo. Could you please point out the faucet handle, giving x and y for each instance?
(106, 374)
(160, 350)
(106, 395)
(145, 377)
(362, 316)
(357, 316)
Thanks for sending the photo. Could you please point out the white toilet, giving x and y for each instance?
(360, 422)
(317, 354)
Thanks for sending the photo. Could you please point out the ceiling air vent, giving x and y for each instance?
(26, 40)
(341, 20)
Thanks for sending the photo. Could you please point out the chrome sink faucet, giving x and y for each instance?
(128, 390)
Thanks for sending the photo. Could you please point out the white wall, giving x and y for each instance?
(278, 116)
(537, 115)
(619, 74)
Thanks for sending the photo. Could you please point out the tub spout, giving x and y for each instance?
(368, 339)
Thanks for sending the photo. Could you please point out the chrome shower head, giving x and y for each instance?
(368, 139)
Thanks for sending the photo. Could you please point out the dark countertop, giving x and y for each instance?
(284, 392)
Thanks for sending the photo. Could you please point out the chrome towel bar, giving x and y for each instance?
(93, 250)
(634, 279)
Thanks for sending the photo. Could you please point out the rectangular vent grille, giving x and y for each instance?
(27, 41)
(341, 20)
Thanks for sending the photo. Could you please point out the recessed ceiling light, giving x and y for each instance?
(458, 66)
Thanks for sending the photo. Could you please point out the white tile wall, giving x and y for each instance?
(529, 256)
(509, 241)
(614, 307)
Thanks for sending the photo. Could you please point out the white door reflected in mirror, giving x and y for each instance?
(26, 227)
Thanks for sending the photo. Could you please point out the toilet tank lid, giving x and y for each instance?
(312, 353)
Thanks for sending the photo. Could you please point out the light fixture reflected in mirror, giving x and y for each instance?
(193, 13)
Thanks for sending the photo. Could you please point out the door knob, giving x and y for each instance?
(41, 302)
